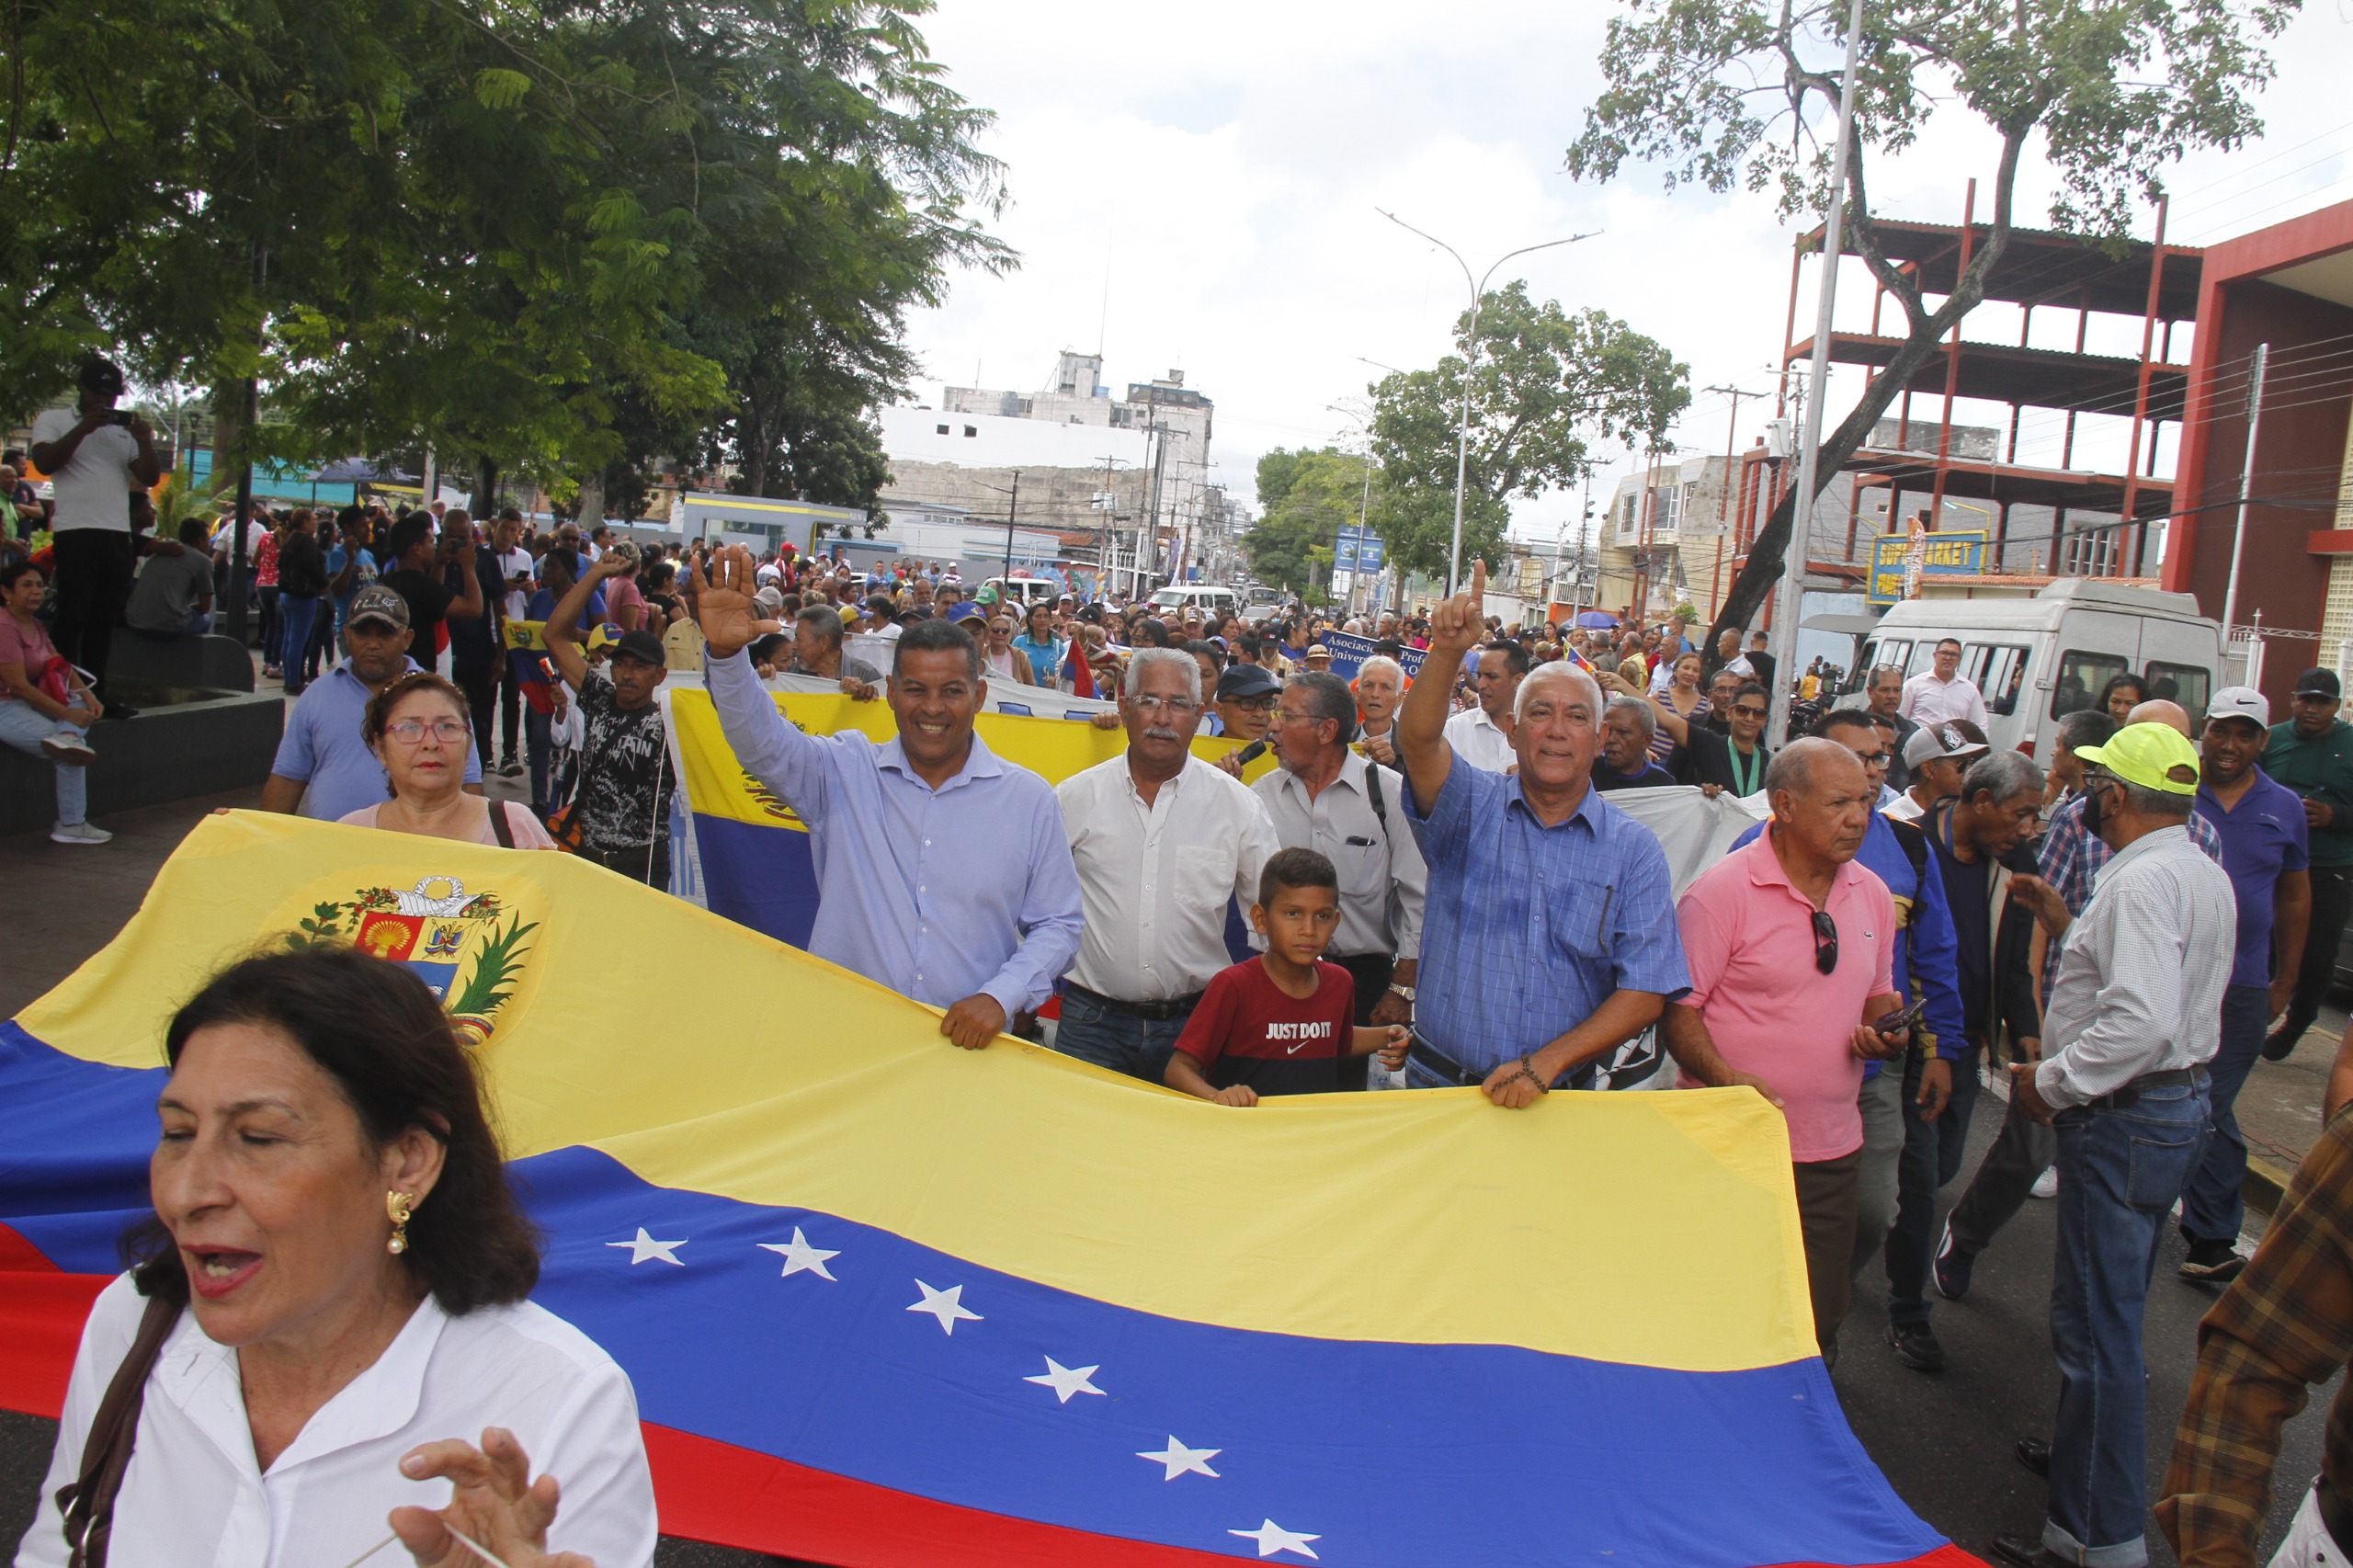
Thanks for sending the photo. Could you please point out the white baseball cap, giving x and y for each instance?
(1932, 741)
(2240, 702)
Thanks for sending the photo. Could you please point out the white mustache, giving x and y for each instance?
(1157, 734)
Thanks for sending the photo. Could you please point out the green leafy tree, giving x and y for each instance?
(1306, 495)
(1719, 93)
(1547, 385)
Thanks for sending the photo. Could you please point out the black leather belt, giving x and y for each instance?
(1446, 1070)
(1150, 1012)
(2166, 1078)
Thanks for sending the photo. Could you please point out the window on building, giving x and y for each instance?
(943, 429)
(2184, 684)
(1666, 506)
(972, 429)
(2082, 677)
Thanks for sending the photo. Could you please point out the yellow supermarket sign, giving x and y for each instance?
(1944, 553)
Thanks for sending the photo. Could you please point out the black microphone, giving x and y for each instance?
(1252, 753)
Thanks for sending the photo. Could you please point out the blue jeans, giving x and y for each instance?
(295, 617)
(2119, 1172)
(1931, 1157)
(2212, 1207)
(24, 727)
(1124, 1043)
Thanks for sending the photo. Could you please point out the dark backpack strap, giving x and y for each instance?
(1372, 793)
(87, 1501)
(500, 825)
(1916, 845)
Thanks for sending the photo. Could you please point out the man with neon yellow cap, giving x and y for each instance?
(2134, 1017)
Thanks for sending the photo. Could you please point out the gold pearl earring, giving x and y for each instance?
(398, 1205)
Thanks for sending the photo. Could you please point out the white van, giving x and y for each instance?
(1213, 603)
(2039, 659)
(1025, 591)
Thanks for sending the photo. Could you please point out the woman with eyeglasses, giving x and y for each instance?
(1000, 660)
(420, 730)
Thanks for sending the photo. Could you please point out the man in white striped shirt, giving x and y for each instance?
(2134, 1017)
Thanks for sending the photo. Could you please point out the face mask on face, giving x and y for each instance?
(2092, 788)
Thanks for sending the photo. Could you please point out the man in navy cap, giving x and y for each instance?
(623, 797)
(1245, 706)
(2312, 754)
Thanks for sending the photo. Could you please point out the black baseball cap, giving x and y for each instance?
(642, 646)
(1239, 681)
(2318, 681)
(101, 376)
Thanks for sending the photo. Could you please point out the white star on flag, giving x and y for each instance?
(799, 1256)
(645, 1246)
(1180, 1460)
(1272, 1538)
(1066, 1380)
(946, 1305)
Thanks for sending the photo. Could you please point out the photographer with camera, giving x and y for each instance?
(94, 455)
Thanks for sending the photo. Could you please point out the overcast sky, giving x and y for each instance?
(1195, 188)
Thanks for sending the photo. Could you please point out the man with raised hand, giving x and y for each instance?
(942, 871)
(1548, 935)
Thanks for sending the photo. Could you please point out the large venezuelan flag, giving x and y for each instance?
(889, 1302)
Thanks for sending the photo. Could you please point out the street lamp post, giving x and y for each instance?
(1471, 366)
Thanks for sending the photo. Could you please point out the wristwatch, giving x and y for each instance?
(1404, 990)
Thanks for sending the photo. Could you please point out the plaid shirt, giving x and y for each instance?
(2285, 1326)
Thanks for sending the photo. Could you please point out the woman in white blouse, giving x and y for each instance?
(332, 1311)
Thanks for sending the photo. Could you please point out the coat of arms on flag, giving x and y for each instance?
(468, 948)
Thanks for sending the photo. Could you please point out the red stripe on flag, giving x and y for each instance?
(41, 1312)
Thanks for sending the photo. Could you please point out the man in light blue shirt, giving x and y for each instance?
(1548, 935)
(943, 872)
(322, 768)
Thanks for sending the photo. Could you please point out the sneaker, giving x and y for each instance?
(2211, 1263)
(78, 832)
(1950, 1270)
(68, 746)
(2047, 1183)
(510, 768)
(1916, 1346)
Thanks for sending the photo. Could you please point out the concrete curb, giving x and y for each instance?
(2266, 1184)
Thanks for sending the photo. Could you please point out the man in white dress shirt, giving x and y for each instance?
(1327, 798)
(1941, 692)
(1162, 841)
(1481, 735)
(2134, 1015)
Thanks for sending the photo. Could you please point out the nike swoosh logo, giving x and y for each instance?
(1293, 1051)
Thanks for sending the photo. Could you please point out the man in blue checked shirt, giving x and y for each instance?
(1927, 968)
(1548, 934)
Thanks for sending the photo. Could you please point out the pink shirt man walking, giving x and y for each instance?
(1790, 944)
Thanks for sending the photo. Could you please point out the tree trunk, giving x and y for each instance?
(485, 496)
(591, 504)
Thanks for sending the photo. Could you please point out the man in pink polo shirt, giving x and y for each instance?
(1789, 942)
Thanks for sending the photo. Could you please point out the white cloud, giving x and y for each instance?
(1221, 164)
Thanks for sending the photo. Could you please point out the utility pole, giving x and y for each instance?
(1011, 506)
(2247, 487)
(1783, 633)
(1723, 504)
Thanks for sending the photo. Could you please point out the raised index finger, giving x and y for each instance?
(1478, 583)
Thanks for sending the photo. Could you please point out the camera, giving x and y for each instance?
(122, 416)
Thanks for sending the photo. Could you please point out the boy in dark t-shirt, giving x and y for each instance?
(1281, 1023)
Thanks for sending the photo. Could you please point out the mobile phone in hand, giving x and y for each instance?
(1903, 1019)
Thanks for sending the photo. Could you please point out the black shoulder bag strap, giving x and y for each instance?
(87, 1501)
(1372, 793)
(500, 825)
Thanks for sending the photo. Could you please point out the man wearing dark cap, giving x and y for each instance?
(623, 798)
(2312, 754)
(94, 456)
(324, 768)
(1245, 702)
